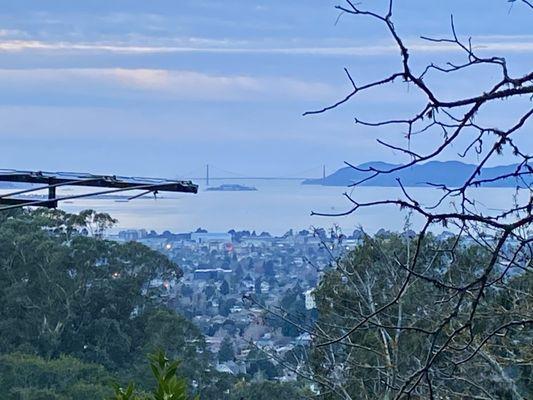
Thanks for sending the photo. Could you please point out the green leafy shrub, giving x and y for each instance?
(168, 385)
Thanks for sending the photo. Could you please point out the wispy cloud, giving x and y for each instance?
(12, 34)
(161, 83)
(199, 45)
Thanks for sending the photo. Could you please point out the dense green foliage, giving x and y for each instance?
(79, 314)
(292, 303)
(267, 391)
(377, 357)
(64, 293)
(226, 352)
(30, 377)
(260, 365)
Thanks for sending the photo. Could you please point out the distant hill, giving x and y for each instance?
(449, 173)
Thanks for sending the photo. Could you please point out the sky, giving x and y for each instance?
(164, 87)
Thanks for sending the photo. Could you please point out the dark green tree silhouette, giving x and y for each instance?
(226, 352)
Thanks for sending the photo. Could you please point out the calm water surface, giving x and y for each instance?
(276, 207)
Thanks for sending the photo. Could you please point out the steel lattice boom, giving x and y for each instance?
(52, 180)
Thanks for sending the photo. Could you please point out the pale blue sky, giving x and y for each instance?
(164, 87)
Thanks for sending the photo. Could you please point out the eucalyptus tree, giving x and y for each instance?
(383, 352)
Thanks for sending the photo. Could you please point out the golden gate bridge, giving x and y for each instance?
(211, 172)
(39, 181)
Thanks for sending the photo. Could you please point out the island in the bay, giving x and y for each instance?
(231, 188)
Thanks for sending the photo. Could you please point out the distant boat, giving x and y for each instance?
(231, 188)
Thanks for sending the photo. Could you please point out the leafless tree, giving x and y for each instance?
(461, 336)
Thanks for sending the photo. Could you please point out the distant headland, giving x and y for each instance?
(449, 173)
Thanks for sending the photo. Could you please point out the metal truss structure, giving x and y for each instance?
(50, 181)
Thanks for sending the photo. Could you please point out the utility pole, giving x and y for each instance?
(52, 196)
(207, 175)
(323, 174)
